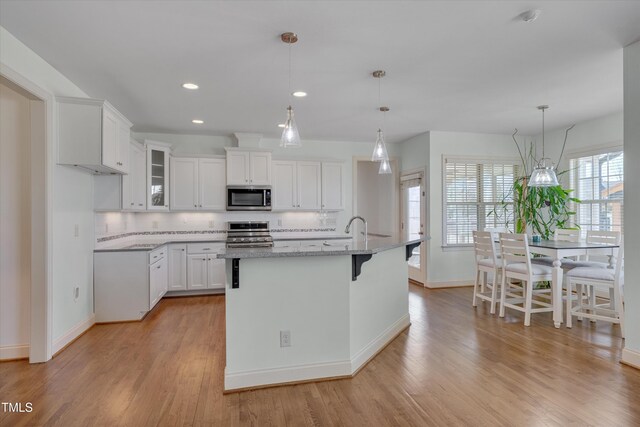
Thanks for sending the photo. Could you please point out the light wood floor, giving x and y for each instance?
(455, 365)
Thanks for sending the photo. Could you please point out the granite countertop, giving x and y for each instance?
(359, 247)
(132, 245)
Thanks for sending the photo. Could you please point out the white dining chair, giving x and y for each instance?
(517, 266)
(487, 262)
(585, 304)
(559, 235)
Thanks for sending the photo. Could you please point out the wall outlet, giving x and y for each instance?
(154, 225)
(285, 338)
(211, 224)
(76, 230)
(76, 293)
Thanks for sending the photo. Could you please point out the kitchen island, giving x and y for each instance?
(296, 314)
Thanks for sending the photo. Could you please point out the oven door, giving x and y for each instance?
(248, 199)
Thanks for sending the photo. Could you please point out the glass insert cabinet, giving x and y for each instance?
(157, 176)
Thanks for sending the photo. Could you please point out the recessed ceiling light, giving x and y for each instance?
(197, 121)
(281, 125)
(530, 15)
(299, 94)
(190, 86)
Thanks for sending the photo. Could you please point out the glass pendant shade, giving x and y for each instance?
(380, 149)
(385, 168)
(290, 135)
(543, 176)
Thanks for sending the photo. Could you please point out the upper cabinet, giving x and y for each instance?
(197, 183)
(308, 185)
(246, 167)
(92, 135)
(332, 186)
(134, 184)
(157, 176)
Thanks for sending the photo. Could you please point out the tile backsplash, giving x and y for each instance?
(116, 224)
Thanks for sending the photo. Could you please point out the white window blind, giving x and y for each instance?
(473, 194)
(598, 181)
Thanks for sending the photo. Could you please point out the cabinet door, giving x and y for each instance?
(138, 172)
(260, 170)
(109, 139)
(332, 186)
(212, 182)
(128, 202)
(308, 185)
(237, 168)
(157, 281)
(157, 174)
(217, 273)
(284, 196)
(177, 268)
(124, 136)
(197, 271)
(184, 184)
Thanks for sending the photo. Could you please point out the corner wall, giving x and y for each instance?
(631, 352)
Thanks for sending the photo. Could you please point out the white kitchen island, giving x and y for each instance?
(339, 304)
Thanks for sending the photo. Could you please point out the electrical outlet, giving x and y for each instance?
(285, 338)
(154, 224)
(76, 230)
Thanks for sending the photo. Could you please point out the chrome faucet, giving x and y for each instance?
(346, 230)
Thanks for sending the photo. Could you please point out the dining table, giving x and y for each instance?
(561, 249)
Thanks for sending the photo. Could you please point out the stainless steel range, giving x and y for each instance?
(248, 234)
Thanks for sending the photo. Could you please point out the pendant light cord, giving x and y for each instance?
(543, 133)
(289, 71)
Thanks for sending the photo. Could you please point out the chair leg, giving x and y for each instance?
(569, 305)
(475, 288)
(528, 302)
(494, 291)
(579, 292)
(503, 293)
(592, 300)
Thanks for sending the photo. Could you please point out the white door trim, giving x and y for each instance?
(423, 214)
(40, 348)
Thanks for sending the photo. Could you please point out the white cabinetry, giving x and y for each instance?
(332, 186)
(248, 167)
(296, 185)
(204, 270)
(197, 183)
(157, 176)
(177, 267)
(158, 280)
(92, 135)
(134, 184)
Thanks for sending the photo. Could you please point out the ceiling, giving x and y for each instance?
(470, 66)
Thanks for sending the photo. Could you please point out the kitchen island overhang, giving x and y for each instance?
(335, 320)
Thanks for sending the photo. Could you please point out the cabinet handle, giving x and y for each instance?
(206, 249)
(204, 259)
(139, 204)
(200, 205)
(158, 266)
(298, 205)
(131, 204)
(166, 206)
(195, 206)
(182, 250)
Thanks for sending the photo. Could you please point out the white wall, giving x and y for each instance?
(72, 196)
(375, 199)
(15, 224)
(631, 353)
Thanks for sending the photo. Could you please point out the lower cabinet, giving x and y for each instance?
(194, 266)
(177, 267)
(205, 272)
(158, 281)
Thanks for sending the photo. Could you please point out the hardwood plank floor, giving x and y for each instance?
(455, 365)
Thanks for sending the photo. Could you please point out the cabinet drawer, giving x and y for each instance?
(204, 248)
(157, 254)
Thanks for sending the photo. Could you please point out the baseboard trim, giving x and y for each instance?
(248, 380)
(452, 284)
(631, 358)
(364, 356)
(14, 352)
(73, 334)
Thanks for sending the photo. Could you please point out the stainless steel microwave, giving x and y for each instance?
(245, 198)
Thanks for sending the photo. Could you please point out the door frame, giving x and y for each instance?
(424, 210)
(41, 163)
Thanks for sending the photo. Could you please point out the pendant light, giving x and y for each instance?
(290, 135)
(544, 174)
(380, 149)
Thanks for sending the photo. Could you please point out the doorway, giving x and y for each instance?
(413, 222)
(25, 148)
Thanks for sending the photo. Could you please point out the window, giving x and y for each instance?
(473, 195)
(598, 181)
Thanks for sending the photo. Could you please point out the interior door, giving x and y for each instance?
(413, 220)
